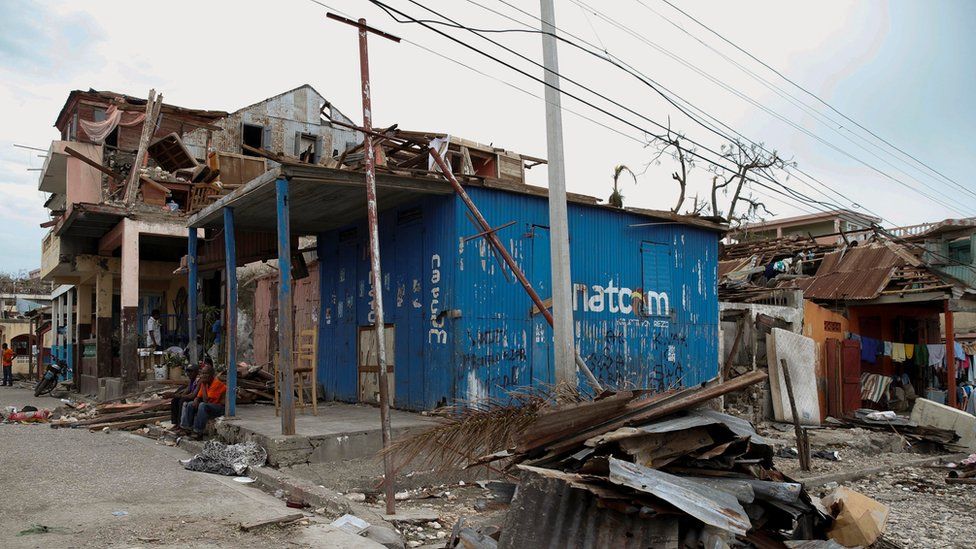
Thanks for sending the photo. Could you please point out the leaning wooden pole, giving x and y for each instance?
(802, 448)
(509, 260)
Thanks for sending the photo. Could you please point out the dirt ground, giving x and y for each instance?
(924, 511)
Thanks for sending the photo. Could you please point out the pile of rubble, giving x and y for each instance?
(635, 469)
(117, 415)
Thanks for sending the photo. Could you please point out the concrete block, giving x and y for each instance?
(112, 387)
(387, 537)
(933, 414)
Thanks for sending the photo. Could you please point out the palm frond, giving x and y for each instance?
(473, 429)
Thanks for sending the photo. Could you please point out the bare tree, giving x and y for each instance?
(671, 144)
(750, 160)
(616, 197)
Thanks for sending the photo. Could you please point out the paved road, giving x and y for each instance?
(73, 481)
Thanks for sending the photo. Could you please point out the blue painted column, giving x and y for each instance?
(191, 291)
(230, 246)
(286, 330)
(324, 294)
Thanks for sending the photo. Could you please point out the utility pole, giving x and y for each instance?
(372, 218)
(562, 284)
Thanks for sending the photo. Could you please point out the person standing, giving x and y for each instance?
(8, 366)
(153, 333)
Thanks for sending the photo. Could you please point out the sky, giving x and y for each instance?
(901, 69)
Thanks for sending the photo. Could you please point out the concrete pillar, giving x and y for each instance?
(55, 323)
(103, 323)
(69, 333)
(84, 311)
(130, 306)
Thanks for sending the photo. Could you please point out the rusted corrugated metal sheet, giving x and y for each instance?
(265, 316)
(858, 273)
(306, 307)
(731, 266)
(548, 512)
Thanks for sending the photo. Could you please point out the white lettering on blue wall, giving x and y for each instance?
(597, 298)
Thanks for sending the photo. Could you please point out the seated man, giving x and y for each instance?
(186, 394)
(208, 404)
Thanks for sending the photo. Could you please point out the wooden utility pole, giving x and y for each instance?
(372, 218)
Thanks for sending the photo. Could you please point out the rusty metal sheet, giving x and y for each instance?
(865, 284)
(858, 273)
(548, 511)
(716, 508)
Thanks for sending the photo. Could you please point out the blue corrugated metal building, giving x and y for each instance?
(462, 329)
(460, 326)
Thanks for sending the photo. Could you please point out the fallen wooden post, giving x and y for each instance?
(961, 481)
(802, 444)
(128, 423)
(248, 526)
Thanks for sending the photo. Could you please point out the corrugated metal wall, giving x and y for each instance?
(465, 331)
(305, 306)
(417, 253)
(674, 267)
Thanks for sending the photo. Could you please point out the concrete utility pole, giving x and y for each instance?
(562, 284)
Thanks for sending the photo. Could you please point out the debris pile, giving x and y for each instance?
(945, 439)
(254, 384)
(227, 459)
(963, 472)
(117, 415)
(638, 469)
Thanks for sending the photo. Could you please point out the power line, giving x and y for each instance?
(622, 65)
(426, 24)
(808, 92)
(820, 117)
(802, 204)
(766, 109)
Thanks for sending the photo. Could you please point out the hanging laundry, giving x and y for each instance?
(869, 349)
(887, 348)
(909, 351)
(898, 352)
(936, 354)
(921, 355)
(957, 350)
(969, 348)
(874, 386)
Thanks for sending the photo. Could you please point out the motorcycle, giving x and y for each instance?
(50, 380)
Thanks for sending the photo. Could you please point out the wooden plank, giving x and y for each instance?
(248, 526)
(128, 423)
(113, 175)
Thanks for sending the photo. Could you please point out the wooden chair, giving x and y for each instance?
(305, 356)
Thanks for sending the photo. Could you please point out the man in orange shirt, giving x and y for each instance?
(208, 404)
(8, 366)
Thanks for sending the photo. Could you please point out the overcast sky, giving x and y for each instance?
(901, 69)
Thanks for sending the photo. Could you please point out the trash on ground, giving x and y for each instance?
(244, 480)
(42, 529)
(858, 519)
(229, 460)
(351, 524)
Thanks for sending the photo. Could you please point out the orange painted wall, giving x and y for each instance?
(819, 324)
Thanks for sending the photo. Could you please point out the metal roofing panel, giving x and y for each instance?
(549, 512)
(865, 284)
(713, 507)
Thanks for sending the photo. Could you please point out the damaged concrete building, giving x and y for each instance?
(871, 308)
(115, 254)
